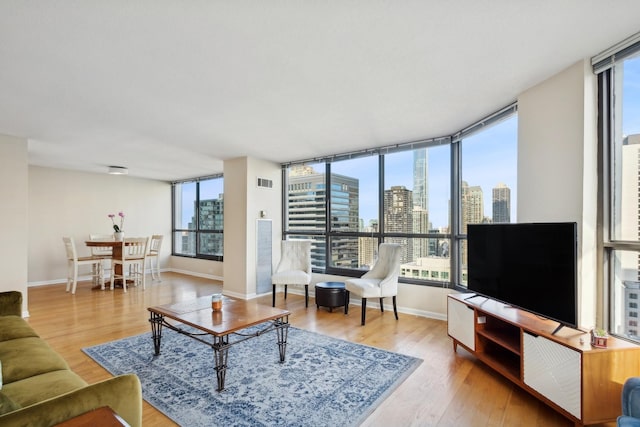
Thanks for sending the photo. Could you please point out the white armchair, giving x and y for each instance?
(381, 281)
(294, 267)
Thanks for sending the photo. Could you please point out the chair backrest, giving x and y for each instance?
(295, 255)
(100, 250)
(134, 248)
(70, 247)
(388, 265)
(155, 244)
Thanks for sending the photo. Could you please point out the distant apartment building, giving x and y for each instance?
(501, 204)
(368, 247)
(398, 218)
(472, 205)
(420, 218)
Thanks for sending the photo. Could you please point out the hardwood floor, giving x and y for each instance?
(448, 389)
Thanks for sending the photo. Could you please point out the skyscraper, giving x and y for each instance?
(307, 200)
(472, 205)
(421, 179)
(420, 201)
(398, 217)
(501, 203)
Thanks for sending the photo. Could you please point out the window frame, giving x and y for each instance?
(454, 235)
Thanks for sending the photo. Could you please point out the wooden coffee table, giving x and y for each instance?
(235, 316)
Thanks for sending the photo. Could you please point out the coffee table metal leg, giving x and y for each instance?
(282, 329)
(156, 330)
(221, 352)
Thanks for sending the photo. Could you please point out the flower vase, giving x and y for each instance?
(118, 236)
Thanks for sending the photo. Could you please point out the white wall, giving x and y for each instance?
(14, 227)
(243, 201)
(76, 204)
(198, 267)
(557, 158)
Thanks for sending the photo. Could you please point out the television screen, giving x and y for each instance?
(529, 266)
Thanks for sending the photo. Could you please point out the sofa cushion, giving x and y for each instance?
(12, 327)
(41, 387)
(10, 303)
(26, 357)
(7, 404)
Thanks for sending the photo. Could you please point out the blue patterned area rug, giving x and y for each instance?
(324, 381)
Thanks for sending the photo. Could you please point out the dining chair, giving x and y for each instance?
(294, 268)
(154, 253)
(74, 262)
(132, 262)
(102, 252)
(379, 282)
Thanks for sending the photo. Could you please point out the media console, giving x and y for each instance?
(563, 370)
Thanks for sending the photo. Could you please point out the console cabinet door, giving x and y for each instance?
(460, 323)
(554, 371)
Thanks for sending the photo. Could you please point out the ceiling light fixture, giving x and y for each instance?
(118, 170)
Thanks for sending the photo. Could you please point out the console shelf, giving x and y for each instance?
(584, 383)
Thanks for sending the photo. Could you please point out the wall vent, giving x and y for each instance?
(265, 183)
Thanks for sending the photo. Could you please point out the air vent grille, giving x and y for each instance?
(265, 183)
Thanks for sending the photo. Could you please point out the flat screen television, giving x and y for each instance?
(532, 266)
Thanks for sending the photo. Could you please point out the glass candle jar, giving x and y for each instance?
(216, 302)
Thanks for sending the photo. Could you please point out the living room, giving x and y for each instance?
(556, 115)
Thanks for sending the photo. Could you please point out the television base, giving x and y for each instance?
(519, 345)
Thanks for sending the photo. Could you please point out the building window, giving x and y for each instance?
(198, 218)
(349, 204)
(619, 109)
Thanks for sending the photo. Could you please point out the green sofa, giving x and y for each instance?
(39, 389)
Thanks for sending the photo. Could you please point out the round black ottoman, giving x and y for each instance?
(331, 294)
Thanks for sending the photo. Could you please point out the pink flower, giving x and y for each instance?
(117, 228)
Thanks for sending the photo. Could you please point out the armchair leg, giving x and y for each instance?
(395, 308)
(285, 291)
(381, 305)
(273, 299)
(306, 296)
(346, 302)
(364, 311)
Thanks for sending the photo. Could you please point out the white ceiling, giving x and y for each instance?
(171, 88)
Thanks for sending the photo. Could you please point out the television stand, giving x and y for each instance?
(583, 383)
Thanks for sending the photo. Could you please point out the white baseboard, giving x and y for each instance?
(291, 289)
(371, 304)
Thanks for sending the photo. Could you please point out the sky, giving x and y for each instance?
(631, 97)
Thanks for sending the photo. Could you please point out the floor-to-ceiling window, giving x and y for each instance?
(198, 218)
(350, 203)
(619, 88)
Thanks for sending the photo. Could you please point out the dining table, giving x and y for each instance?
(116, 253)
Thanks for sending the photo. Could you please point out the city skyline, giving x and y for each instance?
(495, 146)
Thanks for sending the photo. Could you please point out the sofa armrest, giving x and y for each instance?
(123, 394)
(10, 303)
